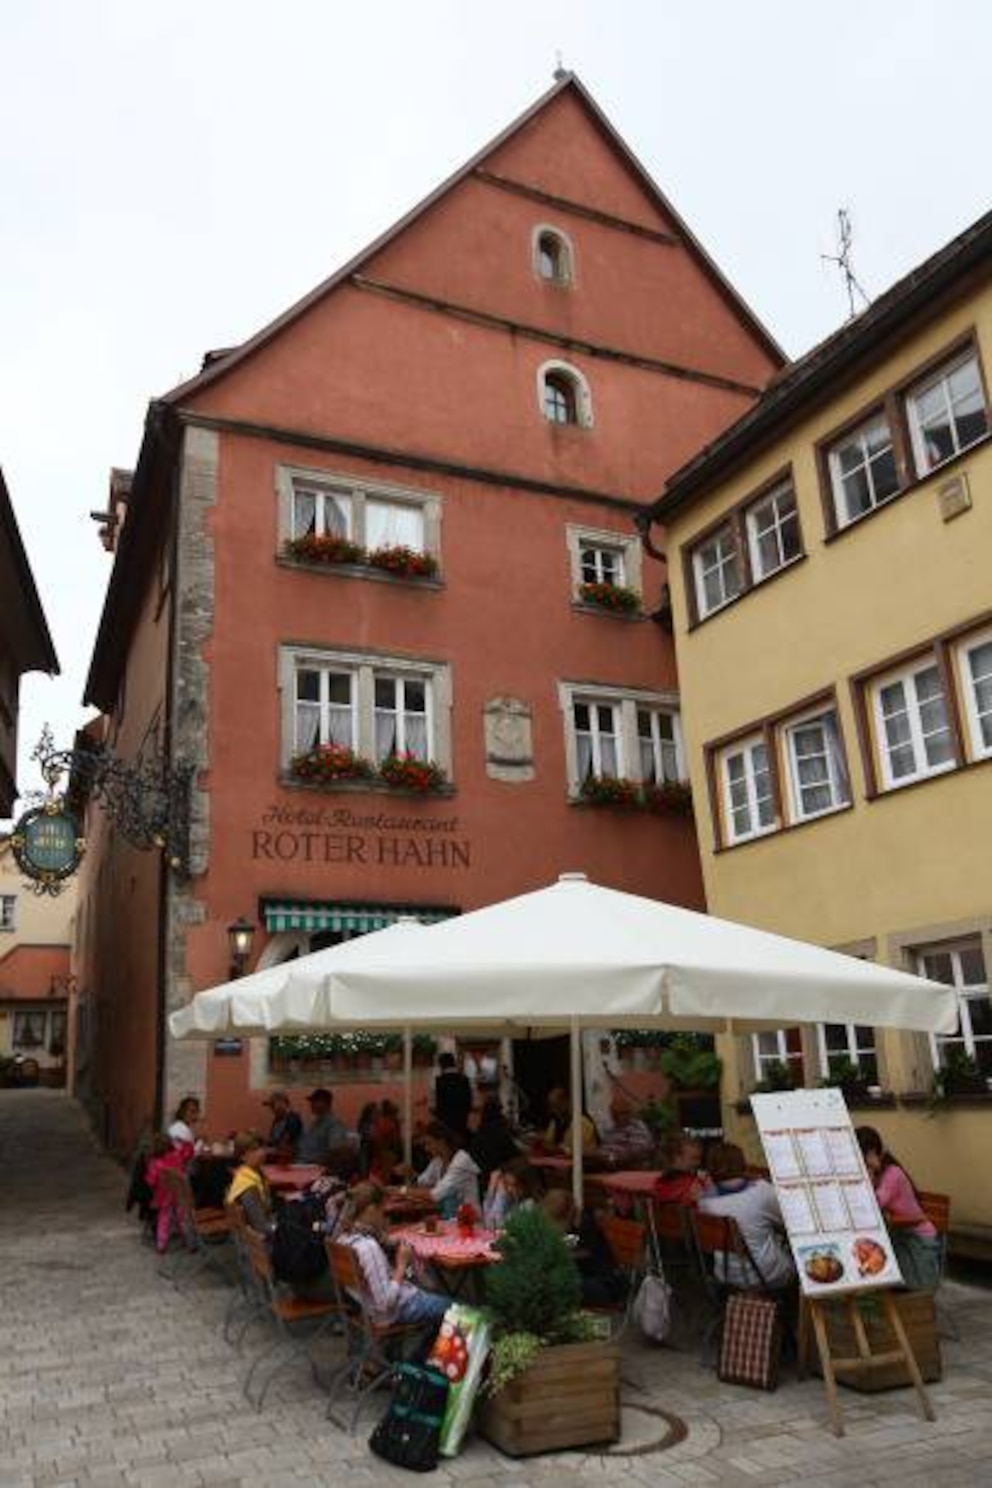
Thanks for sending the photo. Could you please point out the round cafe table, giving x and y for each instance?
(451, 1255)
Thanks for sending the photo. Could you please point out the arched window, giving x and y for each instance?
(552, 256)
(559, 399)
(563, 395)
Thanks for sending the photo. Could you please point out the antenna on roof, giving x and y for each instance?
(561, 71)
(842, 258)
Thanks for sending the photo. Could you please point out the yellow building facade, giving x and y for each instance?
(830, 567)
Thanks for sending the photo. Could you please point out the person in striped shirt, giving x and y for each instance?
(390, 1297)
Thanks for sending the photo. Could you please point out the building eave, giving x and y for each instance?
(24, 623)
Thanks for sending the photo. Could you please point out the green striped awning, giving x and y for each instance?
(359, 919)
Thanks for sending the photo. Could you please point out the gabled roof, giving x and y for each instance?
(919, 296)
(23, 627)
(218, 363)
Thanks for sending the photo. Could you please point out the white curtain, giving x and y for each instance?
(393, 525)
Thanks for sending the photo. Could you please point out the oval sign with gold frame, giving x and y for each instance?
(47, 845)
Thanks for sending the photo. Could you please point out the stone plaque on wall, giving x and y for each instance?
(509, 740)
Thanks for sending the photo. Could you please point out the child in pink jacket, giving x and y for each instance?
(166, 1157)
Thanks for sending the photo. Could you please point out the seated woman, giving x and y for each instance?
(514, 1186)
(452, 1175)
(391, 1298)
(916, 1243)
(603, 1285)
(249, 1189)
(681, 1181)
(753, 1205)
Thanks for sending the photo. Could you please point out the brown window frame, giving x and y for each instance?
(736, 518)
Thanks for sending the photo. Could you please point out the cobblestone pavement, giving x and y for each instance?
(108, 1375)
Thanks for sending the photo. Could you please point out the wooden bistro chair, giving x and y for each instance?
(713, 1235)
(297, 1323)
(206, 1232)
(372, 1347)
(249, 1301)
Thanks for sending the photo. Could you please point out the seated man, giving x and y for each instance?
(753, 1205)
(628, 1142)
(326, 1140)
(287, 1125)
(559, 1136)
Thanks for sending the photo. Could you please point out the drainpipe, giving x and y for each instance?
(167, 433)
(662, 616)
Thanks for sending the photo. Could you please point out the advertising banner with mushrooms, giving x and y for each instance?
(831, 1215)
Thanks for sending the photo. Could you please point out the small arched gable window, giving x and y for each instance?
(564, 395)
(553, 259)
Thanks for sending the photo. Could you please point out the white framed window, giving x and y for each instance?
(8, 911)
(554, 257)
(30, 1029)
(620, 733)
(373, 514)
(660, 746)
(961, 964)
(974, 660)
(563, 395)
(818, 781)
(863, 470)
(376, 705)
(841, 1044)
(779, 1046)
(947, 412)
(913, 726)
(748, 792)
(773, 534)
(716, 567)
(600, 556)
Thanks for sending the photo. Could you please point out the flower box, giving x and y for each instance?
(326, 549)
(330, 762)
(668, 798)
(610, 790)
(616, 598)
(407, 563)
(568, 1397)
(407, 772)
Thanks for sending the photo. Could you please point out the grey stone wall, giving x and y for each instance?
(185, 1064)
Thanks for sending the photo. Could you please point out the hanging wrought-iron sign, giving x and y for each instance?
(47, 845)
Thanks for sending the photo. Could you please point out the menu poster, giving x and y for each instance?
(829, 1209)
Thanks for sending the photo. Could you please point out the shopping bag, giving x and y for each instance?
(751, 1345)
(459, 1352)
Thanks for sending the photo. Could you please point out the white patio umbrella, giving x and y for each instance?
(577, 954)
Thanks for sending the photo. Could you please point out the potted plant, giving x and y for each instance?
(328, 548)
(778, 1076)
(958, 1075)
(406, 772)
(615, 597)
(403, 561)
(609, 790)
(668, 797)
(326, 763)
(549, 1387)
(690, 1063)
(844, 1074)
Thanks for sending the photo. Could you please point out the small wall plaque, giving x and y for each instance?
(953, 496)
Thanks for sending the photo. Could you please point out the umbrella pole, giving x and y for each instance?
(577, 1124)
(408, 1096)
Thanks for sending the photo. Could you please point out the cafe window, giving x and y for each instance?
(842, 1045)
(778, 1053)
(961, 965)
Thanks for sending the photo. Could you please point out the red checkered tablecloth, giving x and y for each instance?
(448, 1247)
(298, 1176)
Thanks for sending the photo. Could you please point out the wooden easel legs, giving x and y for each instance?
(811, 1311)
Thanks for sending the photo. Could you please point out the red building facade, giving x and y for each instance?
(493, 387)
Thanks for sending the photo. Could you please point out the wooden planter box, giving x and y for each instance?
(918, 1318)
(569, 1397)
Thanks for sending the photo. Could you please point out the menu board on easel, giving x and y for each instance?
(831, 1215)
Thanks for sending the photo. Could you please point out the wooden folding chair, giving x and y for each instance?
(248, 1299)
(711, 1237)
(206, 1232)
(373, 1347)
(297, 1323)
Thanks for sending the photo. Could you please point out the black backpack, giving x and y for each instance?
(409, 1433)
(298, 1253)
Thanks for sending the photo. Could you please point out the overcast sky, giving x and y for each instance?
(173, 176)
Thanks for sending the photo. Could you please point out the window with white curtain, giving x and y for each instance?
(372, 514)
(659, 745)
(375, 705)
(620, 733)
(30, 1029)
(597, 739)
(818, 781)
(748, 793)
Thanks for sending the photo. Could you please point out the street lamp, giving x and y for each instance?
(240, 936)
